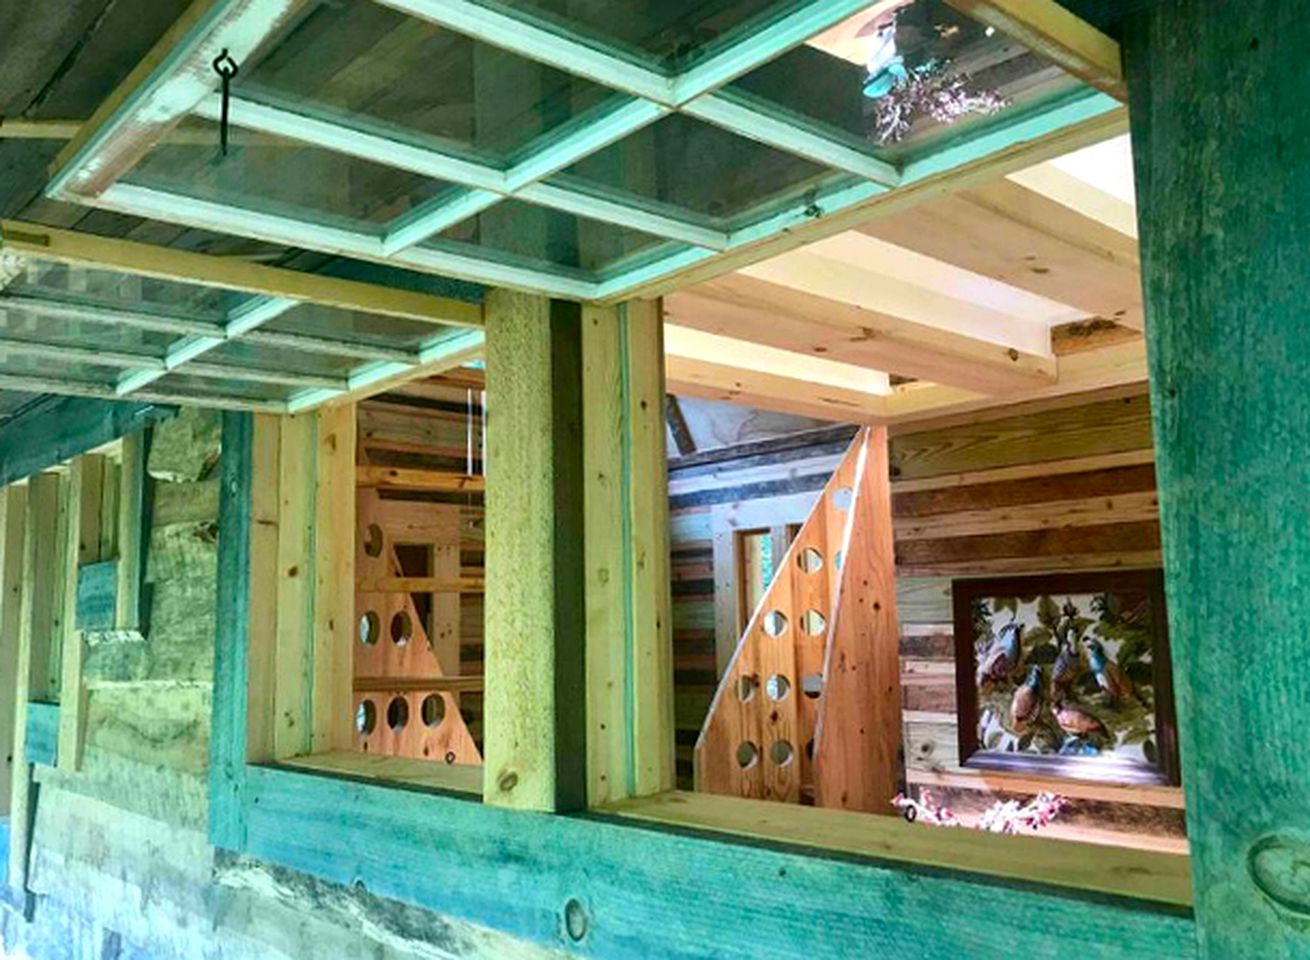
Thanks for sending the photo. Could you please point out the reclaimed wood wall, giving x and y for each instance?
(1026, 489)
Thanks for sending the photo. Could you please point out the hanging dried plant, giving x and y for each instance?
(929, 90)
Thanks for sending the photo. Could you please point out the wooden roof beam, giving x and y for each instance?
(748, 308)
(1052, 32)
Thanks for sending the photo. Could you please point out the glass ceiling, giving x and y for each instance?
(580, 148)
(74, 329)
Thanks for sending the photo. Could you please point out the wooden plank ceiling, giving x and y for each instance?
(1024, 287)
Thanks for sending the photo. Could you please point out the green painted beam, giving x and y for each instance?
(1221, 136)
(227, 761)
(604, 888)
(56, 429)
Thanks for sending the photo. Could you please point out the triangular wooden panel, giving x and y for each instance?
(394, 661)
(761, 737)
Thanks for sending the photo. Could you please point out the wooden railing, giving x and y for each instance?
(809, 706)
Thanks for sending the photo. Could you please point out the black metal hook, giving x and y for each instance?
(226, 68)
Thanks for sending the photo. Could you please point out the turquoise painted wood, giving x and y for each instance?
(227, 770)
(42, 744)
(1220, 105)
(97, 595)
(609, 889)
(56, 429)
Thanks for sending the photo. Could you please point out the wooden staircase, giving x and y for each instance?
(809, 709)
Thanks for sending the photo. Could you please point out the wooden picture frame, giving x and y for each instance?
(1087, 718)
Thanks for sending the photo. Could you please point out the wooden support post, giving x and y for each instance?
(292, 473)
(227, 777)
(535, 615)
(630, 746)
(334, 582)
(34, 639)
(857, 750)
(132, 482)
(81, 546)
(268, 566)
(13, 508)
(1220, 134)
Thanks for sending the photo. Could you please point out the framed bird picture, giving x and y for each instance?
(1066, 675)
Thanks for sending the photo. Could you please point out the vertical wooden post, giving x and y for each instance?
(228, 747)
(292, 662)
(34, 639)
(630, 749)
(333, 653)
(534, 727)
(857, 749)
(81, 546)
(1221, 137)
(13, 507)
(132, 484)
(265, 675)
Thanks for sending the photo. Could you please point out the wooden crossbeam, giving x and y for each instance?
(415, 479)
(791, 319)
(414, 684)
(422, 585)
(1052, 32)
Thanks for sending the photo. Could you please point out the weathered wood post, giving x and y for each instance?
(1220, 103)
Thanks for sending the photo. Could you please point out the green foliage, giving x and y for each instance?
(1048, 612)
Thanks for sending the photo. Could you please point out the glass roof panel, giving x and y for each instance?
(415, 80)
(261, 357)
(354, 327)
(667, 35)
(279, 176)
(896, 82)
(74, 283)
(212, 388)
(537, 237)
(691, 169)
(47, 368)
(34, 327)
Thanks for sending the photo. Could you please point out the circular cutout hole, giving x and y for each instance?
(370, 628)
(812, 685)
(373, 540)
(813, 623)
(775, 623)
(747, 754)
(402, 628)
(781, 752)
(777, 687)
(366, 717)
(433, 710)
(810, 560)
(397, 714)
(746, 687)
(842, 497)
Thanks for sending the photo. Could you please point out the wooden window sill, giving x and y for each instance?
(401, 771)
(1155, 876)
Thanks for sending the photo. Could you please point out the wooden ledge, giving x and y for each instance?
(403, 770)
(1163, 878)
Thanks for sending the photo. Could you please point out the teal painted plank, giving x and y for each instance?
(97, 595)
(1221, 131)
(674, 896)
(232, 638)
(42, 744)
(56, 429)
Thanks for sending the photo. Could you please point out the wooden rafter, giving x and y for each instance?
(1051, 31)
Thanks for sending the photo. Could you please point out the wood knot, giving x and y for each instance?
(508, 781)
(1280, 868)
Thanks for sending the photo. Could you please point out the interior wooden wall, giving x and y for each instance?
(1027, 489)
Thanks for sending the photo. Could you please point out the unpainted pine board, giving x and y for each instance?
(13, 508)
(727, 597)
(1045, 468)
(1000, 494)
(295, 579)
(857, 746)
(1110, 538)
(266, 673)
(132, 484)
(1141, 507)
(334, 580)
(535, 736)
(80, 547)
(1112, 426)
